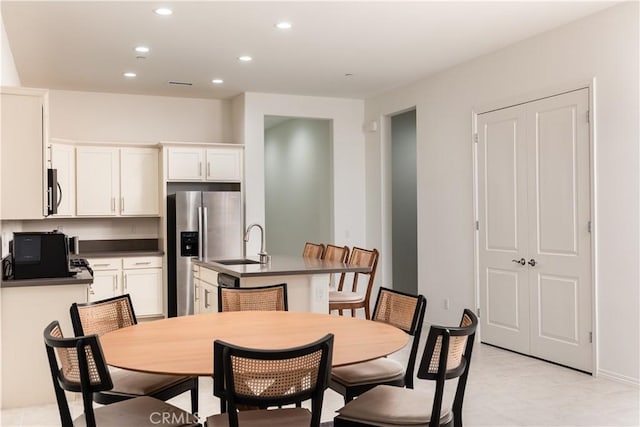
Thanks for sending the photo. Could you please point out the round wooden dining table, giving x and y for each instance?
(184, 345)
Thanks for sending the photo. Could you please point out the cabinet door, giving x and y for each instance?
(106, 284)
(63, 159)
(197, 288)
(145, 287)
(139, 181)
(22, 171)
(208, 298)
(224, 164)
(185, 164)
(97, 181)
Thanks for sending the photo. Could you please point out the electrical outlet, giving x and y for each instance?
(446, 304)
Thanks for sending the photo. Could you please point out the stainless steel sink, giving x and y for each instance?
(238, 261)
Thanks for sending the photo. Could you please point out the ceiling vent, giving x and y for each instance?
(181, 83)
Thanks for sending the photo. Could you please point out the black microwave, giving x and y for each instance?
(40, 255)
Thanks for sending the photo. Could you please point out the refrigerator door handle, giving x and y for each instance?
(205, 224)
(200, 233)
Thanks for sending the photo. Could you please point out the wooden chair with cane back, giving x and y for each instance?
(447, 356)
(108, 315)
(82, 368)
(258, 298)
(313, 250)
(353, 299)
(399, 309)
(335, 253)
(266, 378)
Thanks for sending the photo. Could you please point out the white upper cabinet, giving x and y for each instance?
(220, 164)
(22, 147)
(97, 181)
(63, 158)
(114, 181)
(139, 181)
(224, 164)
(185, 164)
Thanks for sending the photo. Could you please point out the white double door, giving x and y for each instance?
(534, 229)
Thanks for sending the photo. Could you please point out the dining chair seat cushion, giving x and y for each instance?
(288, 417)
(140, 412)
(140, 383)
(345, 296)
(374, 371)
(388, 405)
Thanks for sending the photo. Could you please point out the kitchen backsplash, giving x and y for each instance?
(86, 228)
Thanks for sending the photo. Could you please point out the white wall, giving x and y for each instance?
(348, 158)
(8, 73)
(298, 185)
(93, 116)
(604, 46)
(90, 228)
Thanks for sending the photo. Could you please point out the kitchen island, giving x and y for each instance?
(307, 279)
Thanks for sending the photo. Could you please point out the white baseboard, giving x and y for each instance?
(602, 373)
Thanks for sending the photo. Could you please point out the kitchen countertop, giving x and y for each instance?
(282, 265)
(112, 254)
(82, 278)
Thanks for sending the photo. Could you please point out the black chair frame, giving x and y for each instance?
(106, 397)
(223, 385)
(442, 374)
(60, 384)
(350, 392)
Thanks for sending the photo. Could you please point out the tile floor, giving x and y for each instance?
(504, 389)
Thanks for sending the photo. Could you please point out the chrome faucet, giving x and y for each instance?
(264, 258)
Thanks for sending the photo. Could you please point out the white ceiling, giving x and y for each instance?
(87, 45)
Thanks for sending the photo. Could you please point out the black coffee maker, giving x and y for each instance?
(40, 255)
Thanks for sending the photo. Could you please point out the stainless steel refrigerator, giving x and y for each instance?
(202, 224)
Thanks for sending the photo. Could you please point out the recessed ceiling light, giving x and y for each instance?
(217, 81)
(245, 58)
(142, 49)
(129, 74)
(164, 11)
(284, 25)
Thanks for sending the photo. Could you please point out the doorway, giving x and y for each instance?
(404, 205)
(298, 183)
(534, 241)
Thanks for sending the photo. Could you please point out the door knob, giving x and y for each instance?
(532, 262)
(520, 261)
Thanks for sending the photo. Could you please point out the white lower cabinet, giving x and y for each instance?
(140, 277)
(206, 290)
(208, 297)
(145, 287)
